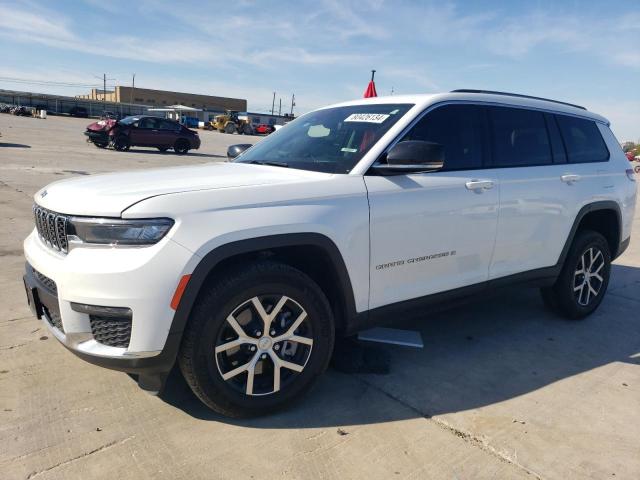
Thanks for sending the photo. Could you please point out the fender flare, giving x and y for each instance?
(584, 211)
(217, 255)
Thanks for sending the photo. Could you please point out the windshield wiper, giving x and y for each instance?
(270, 163)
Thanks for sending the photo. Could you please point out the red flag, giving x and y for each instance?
(371, 90)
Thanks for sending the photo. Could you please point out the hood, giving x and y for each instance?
(101, 125)
(110, 194)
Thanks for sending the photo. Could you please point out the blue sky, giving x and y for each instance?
(322, 50)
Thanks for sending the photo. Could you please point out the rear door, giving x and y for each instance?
(168, 133)
(432, 232)
(537, 198)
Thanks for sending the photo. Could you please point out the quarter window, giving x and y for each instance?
(520, 137)
(582, 139)
(458, 128)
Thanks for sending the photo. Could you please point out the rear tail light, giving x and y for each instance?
(630, 175)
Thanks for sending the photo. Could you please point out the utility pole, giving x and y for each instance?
(280, 108)
(391, 90)
(293, 102)
(133, 87)
(104, 88)
(373, 74)
(273, 103)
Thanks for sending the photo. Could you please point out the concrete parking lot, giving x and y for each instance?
(502, 388)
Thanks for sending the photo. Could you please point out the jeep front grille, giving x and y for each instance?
(52, 228)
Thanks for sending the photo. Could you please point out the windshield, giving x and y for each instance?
(332, 140)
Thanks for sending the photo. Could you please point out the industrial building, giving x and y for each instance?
(116, 101)
(163, 98)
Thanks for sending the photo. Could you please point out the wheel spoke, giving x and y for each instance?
(305, 340)
(276, 377)
(597, 270)
(291, 366)
(238, 370)
(598, 276)
(260, 309)
(233, 343)
(251, 371)
(592, 290)
(579, 288)
(588, 295)
(236, 326)
(267, 318)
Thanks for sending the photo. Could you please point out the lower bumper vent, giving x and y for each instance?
(110, 326)
(110, 331)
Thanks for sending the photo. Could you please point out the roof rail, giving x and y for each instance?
(507, 94)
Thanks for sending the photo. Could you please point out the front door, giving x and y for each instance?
(432, 232)
(146, 133)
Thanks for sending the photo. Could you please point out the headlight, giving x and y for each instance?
(113, 231)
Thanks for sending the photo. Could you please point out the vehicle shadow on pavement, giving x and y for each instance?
(14, 145)
(484, 351)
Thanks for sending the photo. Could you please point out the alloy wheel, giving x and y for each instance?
(264, 344)
(588, 279)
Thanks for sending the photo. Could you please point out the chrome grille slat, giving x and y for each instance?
(51, 227)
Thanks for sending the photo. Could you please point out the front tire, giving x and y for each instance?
(583, 280)
(121, 143)
(257, 339)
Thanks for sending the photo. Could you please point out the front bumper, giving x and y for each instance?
(142, 279)
(100, 137)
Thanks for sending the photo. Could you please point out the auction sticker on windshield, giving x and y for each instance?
(367, 117)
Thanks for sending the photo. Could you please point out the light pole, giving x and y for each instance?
(133, 88)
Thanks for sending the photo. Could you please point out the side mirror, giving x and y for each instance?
(412, 156)
(234, 150)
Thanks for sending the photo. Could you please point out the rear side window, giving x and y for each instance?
(520, 137)
(582, 140)
(459, 129)
(169, 125)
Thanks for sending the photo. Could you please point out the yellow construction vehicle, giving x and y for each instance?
(231, 122)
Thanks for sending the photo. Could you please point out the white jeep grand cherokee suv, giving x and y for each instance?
(245, 272)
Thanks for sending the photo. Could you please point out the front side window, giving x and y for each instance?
(459, 129)
(148, 122)
(332, 140)
(582, 140)
(520, 137)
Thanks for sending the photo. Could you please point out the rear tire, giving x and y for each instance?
(181, 146)
(278, 371)
(247, 130)
(583, 280)
(101, 145)
(230, 128)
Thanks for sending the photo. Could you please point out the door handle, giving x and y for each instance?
(570, 178)
(479, 185)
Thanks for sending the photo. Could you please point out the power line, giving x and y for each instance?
(47, 82)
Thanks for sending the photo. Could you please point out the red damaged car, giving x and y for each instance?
(142, 131)
(264, 129)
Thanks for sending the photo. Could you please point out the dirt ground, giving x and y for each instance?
(502, 388)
